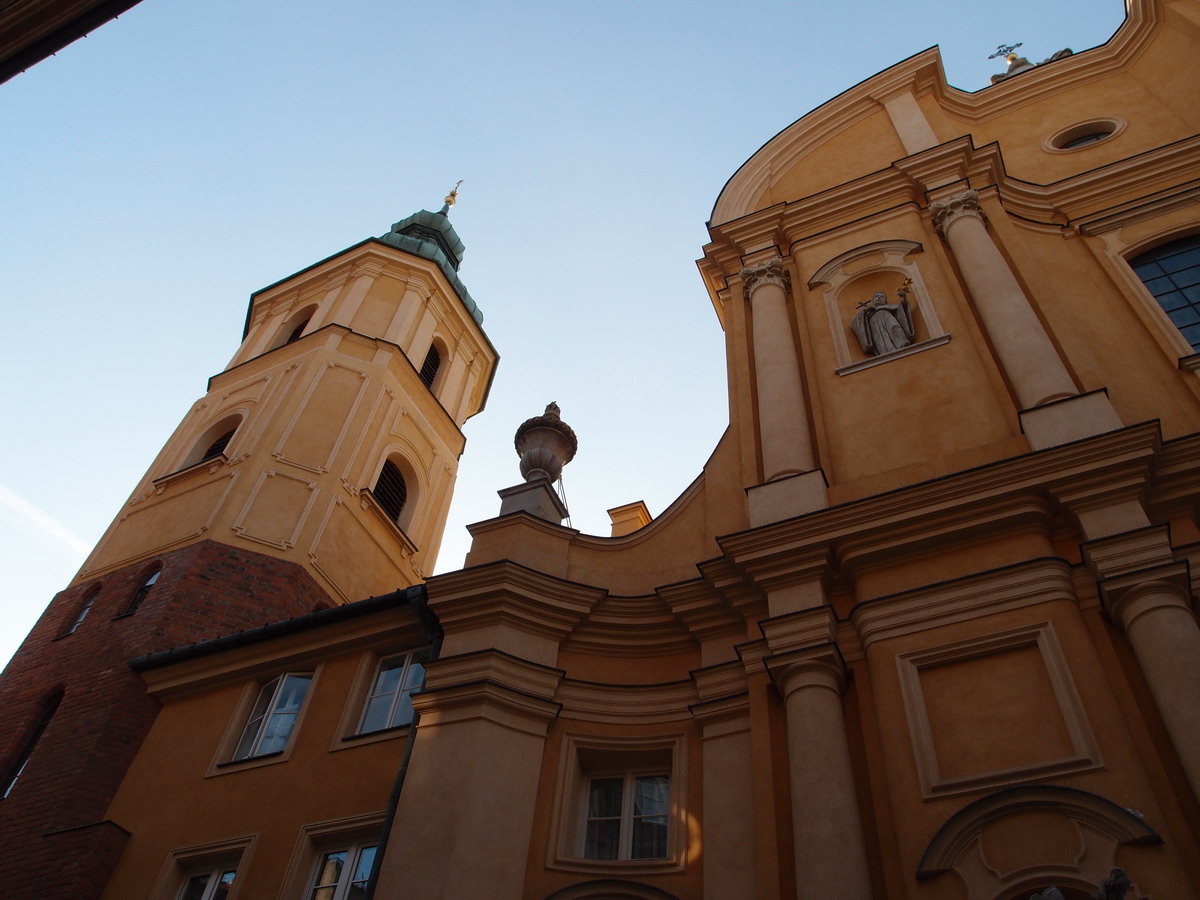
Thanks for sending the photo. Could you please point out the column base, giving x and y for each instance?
(1070, 419)
(774, 501)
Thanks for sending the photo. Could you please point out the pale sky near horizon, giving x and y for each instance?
(157, 172)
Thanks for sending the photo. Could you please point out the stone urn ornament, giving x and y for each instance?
(545, 444)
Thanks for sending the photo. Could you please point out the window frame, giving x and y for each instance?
(186, 863)
(627, 815)
(16, 768)
(213, 881)
(586, 757)
(403, 691)
(319, 838)
(345, 881)
(83, 610)
(225, 760)
(258, 725)
(1135, 259)
(149, 580)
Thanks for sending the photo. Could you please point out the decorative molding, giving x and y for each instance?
(1101, 826)
(297, 521)
(1085, 753)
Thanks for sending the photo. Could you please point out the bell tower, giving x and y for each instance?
(317, 469)
(332, 438)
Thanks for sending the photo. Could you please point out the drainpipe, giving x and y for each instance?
(418, 597)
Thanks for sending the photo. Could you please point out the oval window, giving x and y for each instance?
(1084, 134)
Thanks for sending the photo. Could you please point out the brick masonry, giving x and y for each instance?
(57, 844)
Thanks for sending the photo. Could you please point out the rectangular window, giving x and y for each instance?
(343, 874)
(627, 817)
(389, 702)
(213, 885)
(273, 717)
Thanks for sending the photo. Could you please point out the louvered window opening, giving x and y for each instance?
(299, 330)
(391, 491)
(217, 447)
(429, 368)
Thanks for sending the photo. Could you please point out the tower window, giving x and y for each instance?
(217, 447)
(86, 608)
(297, 331)
(18, 766)
(1171, 273)
(140, 594)
(391, 491)
(429, 368)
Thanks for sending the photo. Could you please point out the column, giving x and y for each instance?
(1154, 611)
(782, 412)
(1027, 356)
(831, 858)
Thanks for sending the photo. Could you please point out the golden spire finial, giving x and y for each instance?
(452, 197)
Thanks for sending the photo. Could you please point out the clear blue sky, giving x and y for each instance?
(157, 172)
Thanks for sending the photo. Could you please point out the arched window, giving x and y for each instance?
(49, 707)
(429, 368)
(1171, 272)
(213, 441)
(391, 491)
(84, 609)
(140, 594)
(293, 328)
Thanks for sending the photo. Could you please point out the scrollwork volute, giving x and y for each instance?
(947, 212)
(771, 271)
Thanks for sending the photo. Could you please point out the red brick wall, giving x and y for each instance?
(205, 590)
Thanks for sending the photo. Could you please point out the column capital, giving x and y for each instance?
(813, 667)
(1128, 597)
(947, 212)
(770, 271)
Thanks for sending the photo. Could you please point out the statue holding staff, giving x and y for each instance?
(882, 327)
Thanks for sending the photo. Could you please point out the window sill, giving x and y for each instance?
(666, 866)
(368, 500)
(250, 762)
(212, 464)
(350, 741)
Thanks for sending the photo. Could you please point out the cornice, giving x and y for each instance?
(505, 592)
(970, 597)
(916, 511)
(789, 146)
(630, 626)
(626, 704)
(923, 74)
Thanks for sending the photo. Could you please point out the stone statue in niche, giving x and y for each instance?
(882, 327)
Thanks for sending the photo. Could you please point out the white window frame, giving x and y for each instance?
(405, 688)
(345, 880)
(263, 712)
(584, 757)
(626, 815)
(214, 877)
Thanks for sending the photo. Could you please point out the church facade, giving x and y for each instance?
(923, 627)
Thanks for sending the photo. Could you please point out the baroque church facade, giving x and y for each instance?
(923, 627)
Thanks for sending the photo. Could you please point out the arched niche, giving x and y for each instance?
(1019, 840)
(852, 278)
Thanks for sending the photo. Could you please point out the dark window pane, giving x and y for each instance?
(601, 841)
(1183, 260)
(649, 838)
(1172, 300)
(604, 799)
(195, 887)
(1189, 315)
(651, 795)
